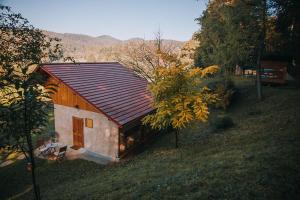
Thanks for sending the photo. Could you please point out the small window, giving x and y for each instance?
(88, 123)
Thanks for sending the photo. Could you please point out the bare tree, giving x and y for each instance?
(143, 57)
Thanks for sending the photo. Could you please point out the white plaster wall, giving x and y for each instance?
(101, 139)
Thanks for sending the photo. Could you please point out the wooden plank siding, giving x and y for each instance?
(67, 97)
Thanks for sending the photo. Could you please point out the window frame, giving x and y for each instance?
(89, 123)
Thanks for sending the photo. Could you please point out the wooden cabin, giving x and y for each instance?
(98, 106)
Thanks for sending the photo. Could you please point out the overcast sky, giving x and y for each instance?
(122, 19)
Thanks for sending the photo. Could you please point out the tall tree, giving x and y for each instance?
(287, 25)
(262, 45)
(263, 22)
(23, 99)
(227, 36)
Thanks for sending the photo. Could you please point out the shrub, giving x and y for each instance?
(225, 90)
(225, 96)
(221, 122)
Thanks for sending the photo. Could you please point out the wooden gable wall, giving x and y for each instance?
(67, 97)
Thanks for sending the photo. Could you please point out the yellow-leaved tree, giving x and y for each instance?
(179, 96)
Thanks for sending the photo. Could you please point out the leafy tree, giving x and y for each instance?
(262, 8)
(287, 26)
(178, 95)
(279, 33)
(261, 45)
(24, 101)
(228, 35)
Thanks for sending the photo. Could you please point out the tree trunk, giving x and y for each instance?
(176, 138)
(261, 49)
(30, 151)
(258, 76)
(32, 161)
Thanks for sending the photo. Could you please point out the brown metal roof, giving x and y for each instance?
(110, 87)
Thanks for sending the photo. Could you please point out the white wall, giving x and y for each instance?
(101, 139)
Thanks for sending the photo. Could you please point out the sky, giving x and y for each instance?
(122, 19)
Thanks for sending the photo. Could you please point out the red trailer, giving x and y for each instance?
(274, 70)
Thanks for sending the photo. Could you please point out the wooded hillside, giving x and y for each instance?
(84, 48)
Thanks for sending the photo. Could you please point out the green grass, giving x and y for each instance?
(257, 158)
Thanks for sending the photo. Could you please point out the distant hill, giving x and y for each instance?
(108, 40)
(81, 38)
(134, 39)
(86, 48)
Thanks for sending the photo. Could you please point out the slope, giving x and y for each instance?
(258, 158)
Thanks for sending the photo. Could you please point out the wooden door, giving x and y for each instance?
(78, 132)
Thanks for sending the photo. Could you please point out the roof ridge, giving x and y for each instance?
(79, 63)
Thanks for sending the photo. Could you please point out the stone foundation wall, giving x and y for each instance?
(101, 139)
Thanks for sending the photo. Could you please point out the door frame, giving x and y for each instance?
(80, 122)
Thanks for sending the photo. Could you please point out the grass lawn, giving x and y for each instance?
(258, 158)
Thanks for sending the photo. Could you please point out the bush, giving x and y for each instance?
(225, 96)
(225, 89)
(222, 122)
